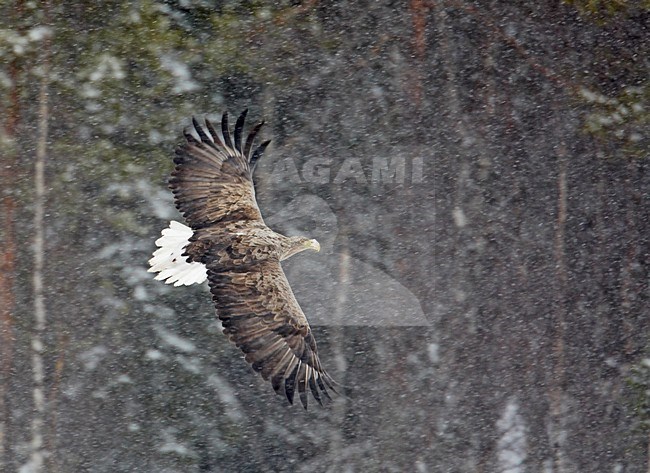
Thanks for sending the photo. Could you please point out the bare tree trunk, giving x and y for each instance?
(38, 449)
(337, 443)
(418, 10)
(8, 250)
(7, 305)
(559, 320)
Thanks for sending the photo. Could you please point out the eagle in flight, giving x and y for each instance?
(228, 243)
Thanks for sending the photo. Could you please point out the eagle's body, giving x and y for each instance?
(229, 243)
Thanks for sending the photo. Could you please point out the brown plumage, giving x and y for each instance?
(213, 188)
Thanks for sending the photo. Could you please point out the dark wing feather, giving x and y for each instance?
(225, 130)
(261, 316)
(257, 154)
(239, 128)
(212, 180)
(213, 133)
(251, 137)
(204, 137)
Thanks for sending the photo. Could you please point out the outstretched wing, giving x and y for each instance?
(212, 181)
(261, 316)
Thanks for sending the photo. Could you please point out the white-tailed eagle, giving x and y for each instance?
(228, 243)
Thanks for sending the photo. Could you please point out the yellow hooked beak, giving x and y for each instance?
(313, 245)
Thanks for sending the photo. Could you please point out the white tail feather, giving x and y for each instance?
(168, 262)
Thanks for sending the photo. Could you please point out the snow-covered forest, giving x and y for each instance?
(475, 172)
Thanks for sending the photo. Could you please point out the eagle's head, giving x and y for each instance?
(297, 244)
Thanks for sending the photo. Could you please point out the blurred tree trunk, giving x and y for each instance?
(8, 176)
(38, 450)
(337, 442)
(557, 386)
(7, 296)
